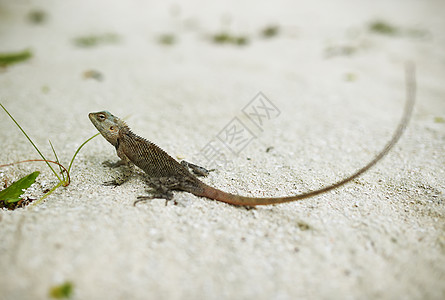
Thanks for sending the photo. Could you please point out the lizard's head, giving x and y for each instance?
(108, 125)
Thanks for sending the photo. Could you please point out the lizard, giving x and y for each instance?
(165, 174)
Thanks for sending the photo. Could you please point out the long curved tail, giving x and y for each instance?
(410, 81)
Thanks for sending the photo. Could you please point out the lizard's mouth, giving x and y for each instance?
(94, 117)
(94, 120)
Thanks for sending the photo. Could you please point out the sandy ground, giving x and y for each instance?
(339, 89)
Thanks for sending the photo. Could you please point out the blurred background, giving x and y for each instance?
(180, 71)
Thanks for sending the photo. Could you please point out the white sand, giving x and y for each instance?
(380, 237)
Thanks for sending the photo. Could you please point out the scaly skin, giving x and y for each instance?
(166, 174)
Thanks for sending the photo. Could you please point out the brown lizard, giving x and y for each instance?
(165, 174)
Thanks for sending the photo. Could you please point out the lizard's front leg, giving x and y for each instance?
(127, 171)
(111, 164)
(125, 174)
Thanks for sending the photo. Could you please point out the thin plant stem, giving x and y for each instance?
(65, 183)
(29, 139)
(78, 149)
(47, 194)
(57, 160)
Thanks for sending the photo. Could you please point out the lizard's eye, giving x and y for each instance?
(111, 128)
(101, 117)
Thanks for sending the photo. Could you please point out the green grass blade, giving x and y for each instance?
(12, 193)
(78, 149)
(57, 160)
(32, 143)
(47, 194)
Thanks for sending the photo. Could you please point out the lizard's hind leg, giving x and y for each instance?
(161, 188)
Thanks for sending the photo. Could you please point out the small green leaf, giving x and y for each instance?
(12, 193)
(96, 40)
(383, 27)
(226, 38)
(439, 120)
(167, 39)
(61, 291)
(37, 16)
(270, 31)
(14, 57)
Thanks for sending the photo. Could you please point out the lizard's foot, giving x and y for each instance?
(116, 181)
(111, 183)
(167, 195)
(197, 170)
(110, 164)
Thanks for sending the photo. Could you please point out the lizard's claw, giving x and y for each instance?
(167, 195)
(111, 183)
(143, 198)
